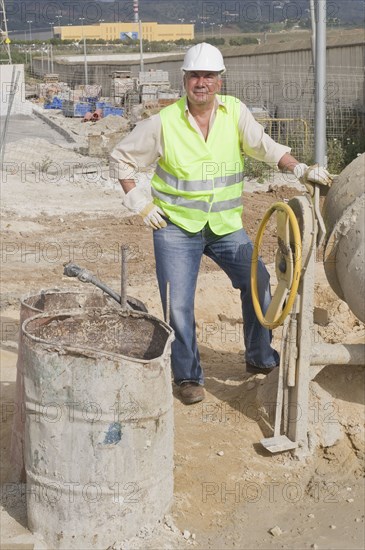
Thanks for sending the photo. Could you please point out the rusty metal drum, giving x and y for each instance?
(99, 425)
(45, 300)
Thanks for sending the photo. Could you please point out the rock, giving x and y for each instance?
(311, 515)
(315, 546)
(168, 522)
(349, 500)
(186, 534)
(275, 531)
(320, 316)
(343, 308)
(332, 526)
(220, 453)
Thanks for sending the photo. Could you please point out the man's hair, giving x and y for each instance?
(217, 74)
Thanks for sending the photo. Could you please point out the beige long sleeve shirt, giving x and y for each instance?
(145, 144)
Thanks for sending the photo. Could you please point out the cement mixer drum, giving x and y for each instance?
(344, 216)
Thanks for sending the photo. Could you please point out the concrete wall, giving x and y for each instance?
(20, 106)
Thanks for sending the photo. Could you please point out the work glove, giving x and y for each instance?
(307, 175)
(136, 201)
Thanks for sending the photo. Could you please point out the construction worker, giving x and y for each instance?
(196, 205)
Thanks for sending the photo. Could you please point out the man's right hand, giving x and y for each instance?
(136, 201)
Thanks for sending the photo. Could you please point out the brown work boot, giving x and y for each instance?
(191, 392)
(252, 369)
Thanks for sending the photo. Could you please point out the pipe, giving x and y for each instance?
(320, 153)
(85, 276)
(338, 354)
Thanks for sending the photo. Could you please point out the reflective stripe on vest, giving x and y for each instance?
(197, 185)
(177, 200)
(197, 181)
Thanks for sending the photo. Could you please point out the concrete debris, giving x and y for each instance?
(275, 531)
(49, 161)
(169, 524)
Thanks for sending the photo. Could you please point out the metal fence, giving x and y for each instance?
(285, 92)
(290, 99)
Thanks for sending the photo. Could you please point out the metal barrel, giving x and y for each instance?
(49, 300)
(99, 425)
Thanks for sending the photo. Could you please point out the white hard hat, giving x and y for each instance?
(203, 57)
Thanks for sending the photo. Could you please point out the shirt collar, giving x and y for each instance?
(218, 103)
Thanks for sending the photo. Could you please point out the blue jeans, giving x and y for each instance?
(178, 255)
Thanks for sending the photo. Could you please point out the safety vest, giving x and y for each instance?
(197, 181)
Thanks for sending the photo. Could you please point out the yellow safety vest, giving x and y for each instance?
(198, 182)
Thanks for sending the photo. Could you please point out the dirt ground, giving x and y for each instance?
(229, 492)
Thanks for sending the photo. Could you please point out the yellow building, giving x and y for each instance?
(114, 31)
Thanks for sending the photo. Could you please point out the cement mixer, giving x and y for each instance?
(344, 216)
(300, 230)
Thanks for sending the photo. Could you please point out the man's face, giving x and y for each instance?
(201, 86)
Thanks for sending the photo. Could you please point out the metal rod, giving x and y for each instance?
(5, 36)
(280, 388)
(320, 153)
(140, 45)
(85, 63)
(313, 35)
(13, 89)
(292, 345)
(338, 354)
(52, 67)
(123, 291)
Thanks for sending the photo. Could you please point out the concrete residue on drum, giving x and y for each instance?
(122, 333)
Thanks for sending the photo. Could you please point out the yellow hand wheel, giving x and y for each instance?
(288, 266)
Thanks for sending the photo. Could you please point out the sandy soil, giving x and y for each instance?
(229, 492)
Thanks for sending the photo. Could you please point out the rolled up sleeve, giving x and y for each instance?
(137, 151)
(256, 143)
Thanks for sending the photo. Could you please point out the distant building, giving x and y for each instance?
(151, 31)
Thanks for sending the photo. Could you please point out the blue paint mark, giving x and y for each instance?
(114, 434)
